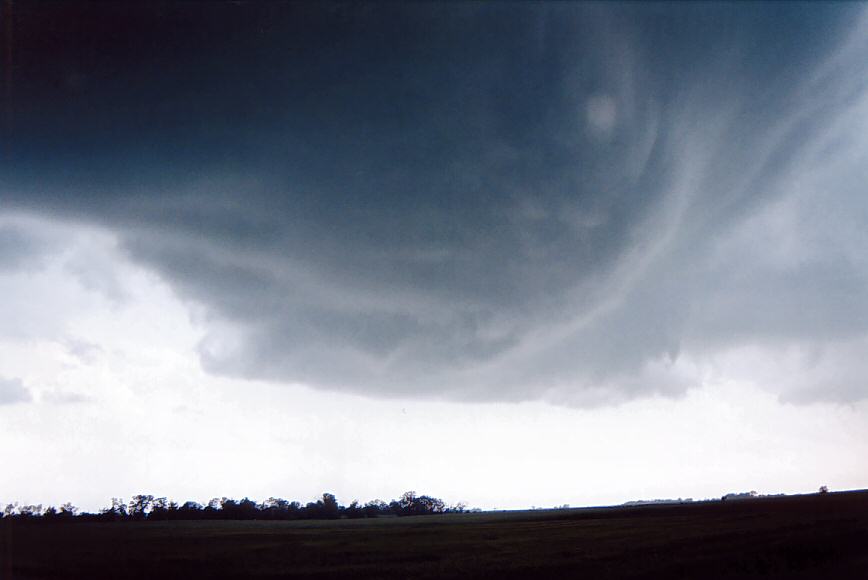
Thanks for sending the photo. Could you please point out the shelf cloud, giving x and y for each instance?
(578, 203)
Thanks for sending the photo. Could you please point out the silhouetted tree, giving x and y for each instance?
(330, 508)
(376, 508)
(10, 510)
(147, 507)
(228, 509)
(190, 510)
(354, 511)
(212, 510)
(159, 509)
(247, 509)
(412, 505)
(140, 505)
(27, 512)
(458, 508)
(118, 510)
(68, 510)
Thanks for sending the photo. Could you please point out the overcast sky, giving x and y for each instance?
(509, 254)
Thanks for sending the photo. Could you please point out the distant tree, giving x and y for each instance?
(228, 509)
(312, 510)
(10, 510)
(147, 507)
(276, 503)
(213, 509)
(354, 510)
(274, 508)
(247, 509)
(140, 505)
(458, 508)
(26, 512)
(411, 504)
(405, 505)
(68, 510)
(824, 489)
(432, 505)
(159, 509)
(375, 508)
(190, 510)
(244, 509)
(330, 507)
(118, 510)
(396, 508)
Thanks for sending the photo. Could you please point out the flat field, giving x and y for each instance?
(811, 536)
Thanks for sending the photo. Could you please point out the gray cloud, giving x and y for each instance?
(577, 203)
(22, 248)
(13, 391)
(84, 351)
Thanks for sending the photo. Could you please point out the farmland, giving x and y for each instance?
(810, 536)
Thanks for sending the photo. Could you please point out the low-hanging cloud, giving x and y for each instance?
(579, 203)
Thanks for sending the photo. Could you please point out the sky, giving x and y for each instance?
(510, 254)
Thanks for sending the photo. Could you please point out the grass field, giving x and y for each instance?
(816, 536)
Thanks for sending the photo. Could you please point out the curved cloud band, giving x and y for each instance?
(578, 203)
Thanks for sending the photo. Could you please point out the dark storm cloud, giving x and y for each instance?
(500, 201)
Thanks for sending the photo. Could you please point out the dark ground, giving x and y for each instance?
(813, 536)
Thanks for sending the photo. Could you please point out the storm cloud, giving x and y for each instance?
(581, 203)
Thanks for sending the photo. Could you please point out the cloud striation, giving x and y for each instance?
(579, 203)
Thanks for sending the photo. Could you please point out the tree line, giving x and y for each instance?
(148, 507)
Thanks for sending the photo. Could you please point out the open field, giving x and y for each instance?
(816, 536)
